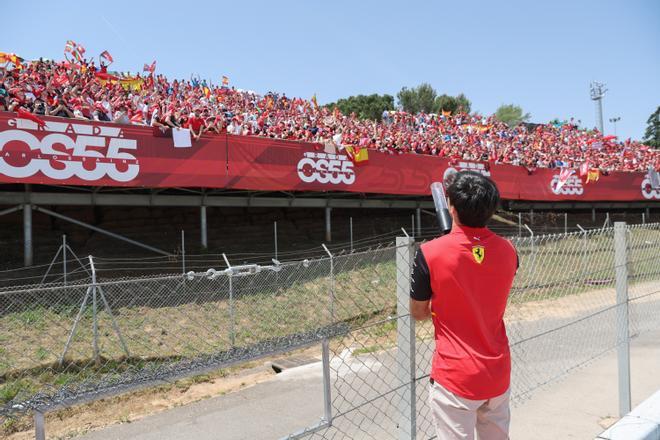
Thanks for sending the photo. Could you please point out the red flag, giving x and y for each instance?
(137, 118)
(106, 76)
(75, 49)
(584, 169)
(70, 46)
(22, 113)
(493, 154)
(150, 68)
(105, 55)
(564, 175)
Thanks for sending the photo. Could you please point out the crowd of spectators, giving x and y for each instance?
(85, 91)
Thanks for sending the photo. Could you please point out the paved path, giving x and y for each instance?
(572, 408)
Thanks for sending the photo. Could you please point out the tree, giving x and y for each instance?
(417, 99)
(511, 114)
(365, 106)
(464, 104)
(652, 133)
(452, 104)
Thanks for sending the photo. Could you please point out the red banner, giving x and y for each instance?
(72, 152)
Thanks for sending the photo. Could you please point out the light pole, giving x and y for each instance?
(614, 121)
(597, 92)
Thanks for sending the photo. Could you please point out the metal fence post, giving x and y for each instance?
(64, 258)
(533, 249)
(351, 231)
(519, 225)
(95, 318)
(203, 231)
(331, 290)
(623, 338)
(39, 425)
(232, 314)
(275, 237)
(328, 224)
(327, 393)
(27, 235)
(584, 248)
(565, 223)
(405, 340)
(183, 252)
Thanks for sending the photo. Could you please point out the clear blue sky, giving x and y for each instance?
(540, 55)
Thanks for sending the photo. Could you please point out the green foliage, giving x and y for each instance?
(453, 104)
(365, 106)
(511, 114)
(425, 98)
(11, 389)
(417, 99)
(652, 133)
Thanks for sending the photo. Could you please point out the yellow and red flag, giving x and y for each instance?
(11, 58)
(593, 175)
(225, 81)
(316, 104)
(359, 156)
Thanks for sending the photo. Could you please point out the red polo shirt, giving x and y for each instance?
(467, 274)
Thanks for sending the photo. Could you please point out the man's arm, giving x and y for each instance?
(420, 289)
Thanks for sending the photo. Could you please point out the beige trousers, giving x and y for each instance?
(457, 418)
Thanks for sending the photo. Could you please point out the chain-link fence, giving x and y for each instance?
(94, 335)
(567, 308)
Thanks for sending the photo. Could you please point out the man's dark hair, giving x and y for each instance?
(474, 196)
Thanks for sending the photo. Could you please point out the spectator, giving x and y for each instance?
(196, 125)
(64, 90)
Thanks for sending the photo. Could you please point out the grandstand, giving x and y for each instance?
(79, 141)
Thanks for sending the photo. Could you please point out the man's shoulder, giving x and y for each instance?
(441, 242)
(504, 241)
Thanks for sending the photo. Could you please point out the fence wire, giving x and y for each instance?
(98, 334)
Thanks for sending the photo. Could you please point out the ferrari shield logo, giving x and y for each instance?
(478, 252)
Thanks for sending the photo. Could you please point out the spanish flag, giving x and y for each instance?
(593, 175)
(225, 81)
(359, 156)
(316, 104)
(207, 92)
(11, 58)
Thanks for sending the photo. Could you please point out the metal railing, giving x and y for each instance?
(63, 343)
